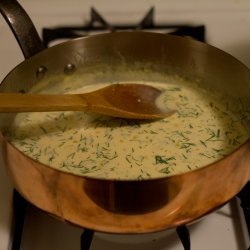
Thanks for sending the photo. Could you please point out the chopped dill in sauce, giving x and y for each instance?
(200, 132)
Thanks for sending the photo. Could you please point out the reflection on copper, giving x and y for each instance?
(131, 197)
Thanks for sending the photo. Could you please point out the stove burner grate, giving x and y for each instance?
(98, 24)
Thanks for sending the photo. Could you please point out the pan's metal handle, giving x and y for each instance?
(22, 27)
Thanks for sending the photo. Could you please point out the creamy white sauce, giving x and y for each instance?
(201, 132)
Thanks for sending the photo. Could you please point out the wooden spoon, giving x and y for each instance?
(133, 101)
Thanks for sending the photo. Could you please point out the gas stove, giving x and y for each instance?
(226, 228)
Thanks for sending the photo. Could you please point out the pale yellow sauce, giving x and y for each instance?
(201, 132)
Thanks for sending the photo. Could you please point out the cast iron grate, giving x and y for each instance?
(243, 195)
(97, 23)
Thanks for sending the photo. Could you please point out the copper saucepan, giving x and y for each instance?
(124, 206)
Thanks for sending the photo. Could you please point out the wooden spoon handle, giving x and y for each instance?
(16, 102)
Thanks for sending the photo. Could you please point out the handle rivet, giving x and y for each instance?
(69, 69)
(41, 71)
